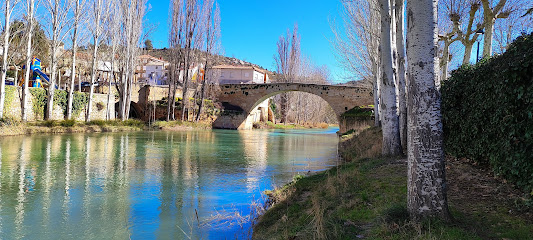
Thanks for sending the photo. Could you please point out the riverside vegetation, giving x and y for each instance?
(489, 172)
(11, 127)
(365, 198)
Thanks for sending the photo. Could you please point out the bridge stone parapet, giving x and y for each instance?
(240, 99)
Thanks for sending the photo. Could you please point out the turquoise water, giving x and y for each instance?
(149, 185)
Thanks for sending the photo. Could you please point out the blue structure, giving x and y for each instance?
(35, 81)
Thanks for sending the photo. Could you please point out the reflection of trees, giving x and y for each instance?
(304, 151)
(24, 156)
(255, 152)
(91, 185)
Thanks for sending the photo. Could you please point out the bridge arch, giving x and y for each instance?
(241, 99)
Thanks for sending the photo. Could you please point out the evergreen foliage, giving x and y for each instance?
(78, 104)
(488, 112)
(10, 96)
(38, 101)
(60, 99)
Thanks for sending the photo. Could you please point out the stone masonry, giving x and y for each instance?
(243, 98)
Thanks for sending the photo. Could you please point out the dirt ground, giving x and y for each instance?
(476, 191)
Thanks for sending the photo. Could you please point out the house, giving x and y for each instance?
(152, 71)
(229, 74)
(241, 75)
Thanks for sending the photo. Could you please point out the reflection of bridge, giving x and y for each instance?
(243, 98)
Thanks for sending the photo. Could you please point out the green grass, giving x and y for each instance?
(164, 125)
(10, 127)
(271, 125)
(367, 197)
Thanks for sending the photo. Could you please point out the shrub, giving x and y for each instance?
(100, 123)
(68, 123)
(361, 112)
(39, 100)
(9, 121)
(132, 123)
(50, 123)
(488, 112)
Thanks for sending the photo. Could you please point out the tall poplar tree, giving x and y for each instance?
(426, 192)
(9, 7)
(388, 86)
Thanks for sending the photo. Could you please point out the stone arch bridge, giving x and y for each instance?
(240, 99)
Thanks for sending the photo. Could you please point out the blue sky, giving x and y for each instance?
(251, 28)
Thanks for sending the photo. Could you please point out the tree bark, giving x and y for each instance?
(468, 52)
(377, 115)
(489, 18)
(389, 89)
(445, 60)
(96, 37)
(77, 11)
(7, 18)
(426, 188)
(25, 92)
(93, 79)
(400, 47)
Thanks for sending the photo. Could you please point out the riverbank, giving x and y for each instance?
(179, 125)
(366, 199)
(13, 128)
(271, 125)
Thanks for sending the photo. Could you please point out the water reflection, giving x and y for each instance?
(147, 185)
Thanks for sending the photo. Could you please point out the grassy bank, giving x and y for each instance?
(366, 199)
(271, 125)
(179, 125)
(12, 128)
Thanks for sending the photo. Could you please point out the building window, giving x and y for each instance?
(246, 74)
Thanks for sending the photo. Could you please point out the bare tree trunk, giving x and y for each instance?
(7, 27)
(25, 93)
(7, 16)
(98, 8)
(489, 18)
(93, 81)
(59, 27)
(399, 15)
(426, 193)
(389, 89)
(79, 79)
(109, 90)
(376, 90)
(468, 52)
(170, 92)
(213, 32)
(114, 29)
(77, 13)
(445, 60)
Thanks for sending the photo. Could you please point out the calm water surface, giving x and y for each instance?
(149, 185)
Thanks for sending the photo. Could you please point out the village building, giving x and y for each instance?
(229, 74)
(241, 75)
(152, 70)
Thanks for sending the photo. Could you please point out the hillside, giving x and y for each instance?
(223, 60)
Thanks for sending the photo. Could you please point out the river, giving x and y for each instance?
(149, 185)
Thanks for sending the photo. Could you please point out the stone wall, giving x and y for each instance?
(354, 123)
(157, 92)
(13, 108)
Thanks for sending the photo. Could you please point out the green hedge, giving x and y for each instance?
(80, 101)
(10, 97)
(40, 98)
(488, 113)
